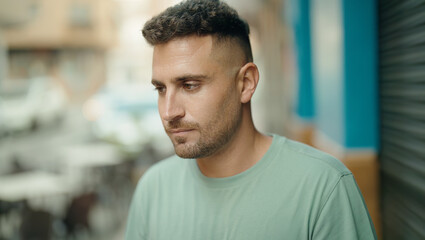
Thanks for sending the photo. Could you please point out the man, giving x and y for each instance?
(227, 180)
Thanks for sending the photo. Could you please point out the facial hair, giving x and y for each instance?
(212, 137)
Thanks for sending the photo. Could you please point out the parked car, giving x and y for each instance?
(128, 117)
(28, 104)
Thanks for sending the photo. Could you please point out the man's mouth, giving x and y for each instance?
(179, 130)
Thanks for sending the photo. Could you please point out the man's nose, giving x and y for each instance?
(173, 110)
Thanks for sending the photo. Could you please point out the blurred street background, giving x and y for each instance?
(79, 122)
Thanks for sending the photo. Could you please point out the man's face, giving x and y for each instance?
(198, 100)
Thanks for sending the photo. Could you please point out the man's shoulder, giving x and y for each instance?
(302, 155)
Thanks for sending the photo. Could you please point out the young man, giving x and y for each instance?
(227, 180)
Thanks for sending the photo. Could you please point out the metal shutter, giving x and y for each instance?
(402, 124)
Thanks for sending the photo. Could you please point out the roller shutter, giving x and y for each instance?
(402, 114)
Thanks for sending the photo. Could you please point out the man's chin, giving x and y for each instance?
(185, 154)
(184, 150)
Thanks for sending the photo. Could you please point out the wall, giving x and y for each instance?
(360, 74)
(326, 28)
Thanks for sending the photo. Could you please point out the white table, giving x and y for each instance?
(31, 185)
(41, 190)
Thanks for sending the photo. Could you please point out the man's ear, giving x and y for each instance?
(248, 80)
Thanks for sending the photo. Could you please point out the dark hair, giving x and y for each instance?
(199, 17)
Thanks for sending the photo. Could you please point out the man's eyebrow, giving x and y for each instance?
(191, 77)
(183, 78)
(156, 82)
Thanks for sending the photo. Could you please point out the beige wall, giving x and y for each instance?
(51, 25)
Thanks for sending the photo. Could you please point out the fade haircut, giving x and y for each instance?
(201, 18)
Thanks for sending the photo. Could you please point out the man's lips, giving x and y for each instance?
(179, 130)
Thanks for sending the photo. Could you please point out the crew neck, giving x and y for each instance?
(247, 175)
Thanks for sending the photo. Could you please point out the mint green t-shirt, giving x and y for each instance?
(293, 192)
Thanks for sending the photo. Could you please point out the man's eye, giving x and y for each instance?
(160, 89)
(190, 86)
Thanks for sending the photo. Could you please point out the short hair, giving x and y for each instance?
(201, 18)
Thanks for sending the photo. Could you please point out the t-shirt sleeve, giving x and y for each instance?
(136, 221)
(344, 214)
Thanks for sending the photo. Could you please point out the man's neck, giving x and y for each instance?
(244, 150)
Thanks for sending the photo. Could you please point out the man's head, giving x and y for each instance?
(200, 18)
(204, 79)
